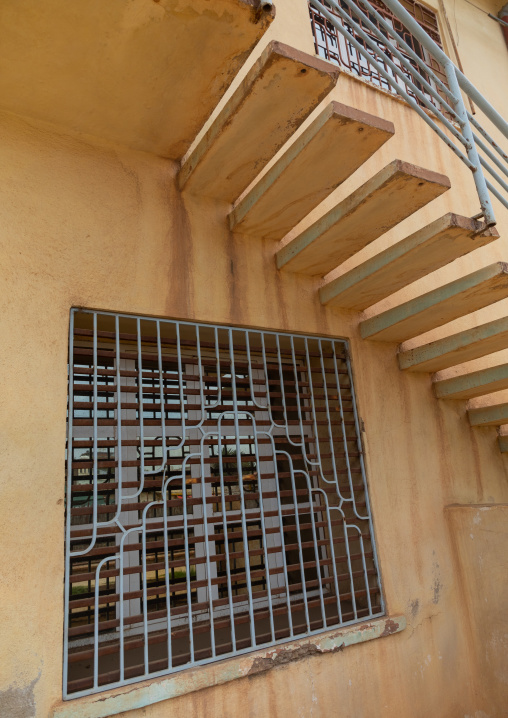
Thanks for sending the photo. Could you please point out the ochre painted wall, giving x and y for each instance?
(89, 224)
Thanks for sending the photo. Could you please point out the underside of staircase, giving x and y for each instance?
(226, 159)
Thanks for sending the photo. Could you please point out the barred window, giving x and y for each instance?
(333, 46)
(216, 496)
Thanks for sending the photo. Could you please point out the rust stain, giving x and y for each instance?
(390, 627)
(284, 656)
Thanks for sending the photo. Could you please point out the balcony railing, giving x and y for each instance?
(334, 46)
(387, 44)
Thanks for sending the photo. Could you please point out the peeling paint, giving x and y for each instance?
(191, 680)
(390, 627)
(283, 656)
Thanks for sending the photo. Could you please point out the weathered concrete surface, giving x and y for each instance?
(428, 249)
(457, 348)
(441, 305)
(495, 415)
(477, 383)
(279, 92)
(392, 195)
(335, 145)
(247, 666)
(142, 73)
(479, 535)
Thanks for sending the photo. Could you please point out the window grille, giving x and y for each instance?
(216, 496)
(333, 46)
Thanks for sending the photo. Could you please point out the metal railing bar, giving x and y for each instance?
(401, 42)
(394, 49)
(490, 155)
(385, 58)
(472, 153)
(487, 137)
(285, 548)
(496, 193)
(443, 59)
(481, 102)
(361, 49)
(494, 174)
(240, 473)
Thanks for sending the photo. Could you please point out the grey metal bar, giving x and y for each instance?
(240, 483)
(455, 78)
(391, 82)
(287, 529)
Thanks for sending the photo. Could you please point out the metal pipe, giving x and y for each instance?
(333, 20)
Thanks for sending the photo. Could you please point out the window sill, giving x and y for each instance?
(146, 693)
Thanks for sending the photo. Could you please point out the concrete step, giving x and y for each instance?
(476, 383)
(279, 92)
(495, 415)
(339, 141)
(441, 305)
(421, 253)
(457, 348)
(143, 74)
(393, 194)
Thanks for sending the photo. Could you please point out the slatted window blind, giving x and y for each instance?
(216, 496)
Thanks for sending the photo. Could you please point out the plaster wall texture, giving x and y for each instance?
(92, 224)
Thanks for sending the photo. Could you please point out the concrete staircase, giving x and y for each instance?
(180, 68)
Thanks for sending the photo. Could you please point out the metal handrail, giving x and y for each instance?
(365, 28)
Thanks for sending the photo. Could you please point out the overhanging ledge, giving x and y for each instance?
(143, 694)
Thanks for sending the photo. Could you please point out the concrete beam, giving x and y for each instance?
(441, 305)
(146, 75)
(383, 201)
(339, 141)
(475, 383)
(423, 252)
(279, 92)
(496, 415)
(503, 444)
(457, 348)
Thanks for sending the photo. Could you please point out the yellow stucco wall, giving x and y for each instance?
(96, 225)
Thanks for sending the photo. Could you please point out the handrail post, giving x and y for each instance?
(472, 153)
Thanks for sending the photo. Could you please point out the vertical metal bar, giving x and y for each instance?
(141, 417)
(187, 560)
(332, 551)
(263, 529)
(119, 480)
(118, 411)
(70, 456)
(281, 530)
(298, 535)
(166, 566)
(162, 396)
(94, 439)
(328, 418)
(316, 551)
(350, 567)
(240, 482)
(203, 498)
(225, 529)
